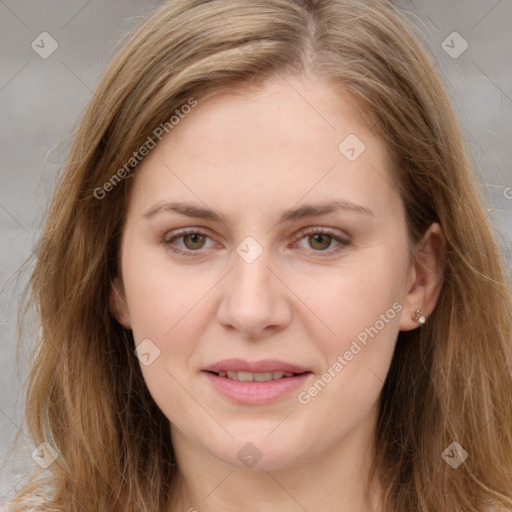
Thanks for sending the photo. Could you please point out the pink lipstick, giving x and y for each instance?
(257, 382)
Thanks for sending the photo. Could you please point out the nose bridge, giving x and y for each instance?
(251, 277)
(251, 261)
(250, 282)
(253, 298)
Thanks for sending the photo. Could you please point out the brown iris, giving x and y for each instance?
(320, 238)
(197, 241)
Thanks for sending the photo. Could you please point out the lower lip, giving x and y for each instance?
(256, 392)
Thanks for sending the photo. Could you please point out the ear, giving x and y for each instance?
(425, 277)
(118, 305)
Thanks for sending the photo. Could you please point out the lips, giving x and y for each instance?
(257, 382)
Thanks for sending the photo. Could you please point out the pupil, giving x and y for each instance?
(322, 239)
(195, 239)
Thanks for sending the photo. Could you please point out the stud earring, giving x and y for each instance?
(418, 317)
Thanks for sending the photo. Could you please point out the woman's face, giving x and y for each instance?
(295, 259)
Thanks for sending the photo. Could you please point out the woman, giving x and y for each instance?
(267, 280)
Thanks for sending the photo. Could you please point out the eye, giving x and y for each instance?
(321, 239)
(192, 239)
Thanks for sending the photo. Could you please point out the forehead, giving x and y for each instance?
(267, 147)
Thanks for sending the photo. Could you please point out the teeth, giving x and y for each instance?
(258, 377)
(263, 377)
(245, 376)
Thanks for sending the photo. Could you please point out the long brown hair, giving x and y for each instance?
(450, 381)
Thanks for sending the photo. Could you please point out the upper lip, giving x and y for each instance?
(263, 366)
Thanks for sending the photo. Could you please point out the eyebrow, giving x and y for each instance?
(305, 211)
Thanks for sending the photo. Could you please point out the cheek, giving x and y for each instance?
(356, 361)
(165, 307)
(161, 295)
(342, 302)
(359, 308)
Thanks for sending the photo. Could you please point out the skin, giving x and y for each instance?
(249, 154)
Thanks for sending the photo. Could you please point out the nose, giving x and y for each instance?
(255, 301)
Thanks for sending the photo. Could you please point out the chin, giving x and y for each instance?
(260, 454)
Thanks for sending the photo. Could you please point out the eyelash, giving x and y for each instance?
(310, 231)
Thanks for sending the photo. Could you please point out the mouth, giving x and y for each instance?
(242, 376)
(254, 383)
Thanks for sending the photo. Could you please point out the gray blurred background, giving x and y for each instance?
(42, 94)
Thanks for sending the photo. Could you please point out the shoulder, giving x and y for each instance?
(36, 500)
(6, 506)
(33, 504)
